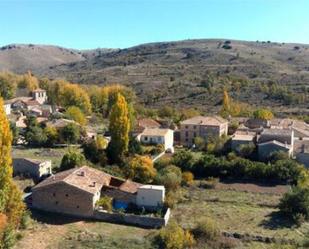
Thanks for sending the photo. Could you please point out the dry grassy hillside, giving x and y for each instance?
(20, 58)
(193, 72)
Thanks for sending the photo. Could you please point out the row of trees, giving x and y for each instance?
(284, 170)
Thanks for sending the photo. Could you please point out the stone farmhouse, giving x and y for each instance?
(76, 191)
(33, 168)
(203, 127)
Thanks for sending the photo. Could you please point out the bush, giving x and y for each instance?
(71, 160)
(105, 202)
(70, 134)
(187, 178)
(174, 236)
(170, 177)
(183, 159)
(210, 183)
(246, 150)
(206, 229)
(295, 204)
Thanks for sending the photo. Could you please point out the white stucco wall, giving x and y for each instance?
(150, 196)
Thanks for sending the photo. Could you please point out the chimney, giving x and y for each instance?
(82, 173)
(93, 184)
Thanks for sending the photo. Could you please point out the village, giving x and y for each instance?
(67, 165)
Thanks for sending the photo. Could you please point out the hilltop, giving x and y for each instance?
(183, 73)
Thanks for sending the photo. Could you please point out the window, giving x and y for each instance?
(194, 127)
(54, 194)
(77, 206)
(66, 195)
(186, 127)
(56, 202)
(187, 134)
(146, 138)
(187, 140)
(194, 134)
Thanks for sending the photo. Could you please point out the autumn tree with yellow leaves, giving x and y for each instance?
(119, 128)
(11, 205)
(140, 168)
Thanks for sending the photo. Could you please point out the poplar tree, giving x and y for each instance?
(5, 158)
(11, 204)
(119, 127)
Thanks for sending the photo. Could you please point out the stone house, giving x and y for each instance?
(31, 167)
(76, 191)
(243, 138)
(272, 140)
(73, 192)
(301, 151)
(203, 127)
(157, 136)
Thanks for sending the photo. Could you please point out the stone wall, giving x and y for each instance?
(132, 219)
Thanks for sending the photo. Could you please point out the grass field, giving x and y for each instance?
(238, 211)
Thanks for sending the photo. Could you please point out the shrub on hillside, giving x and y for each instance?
(187, 178)
(206, 229)
(174, 236)
(295, 204)
(170, 177)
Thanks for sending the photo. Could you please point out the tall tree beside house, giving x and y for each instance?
(119, 128)
(226, 105)
(11, 205)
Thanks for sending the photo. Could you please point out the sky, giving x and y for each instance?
(88, 24)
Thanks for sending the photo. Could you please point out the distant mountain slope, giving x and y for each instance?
(20, 58)
(174, 72)
(178, 73)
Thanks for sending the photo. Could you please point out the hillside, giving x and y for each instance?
(186, 73)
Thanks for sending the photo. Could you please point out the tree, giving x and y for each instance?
(226, 105)
(5, 158)
(70, 134)
(51, 134)
(11, 205)
(7, 85)
(15, 132)
(74, 95)
(119, 128)
(295, 203)
(263, 114)
(71, 160)
(140, 168)
(34, 134)
(76, 114)
(28, 81)
(170, 177)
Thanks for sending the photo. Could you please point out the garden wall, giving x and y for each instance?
(132, 219)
